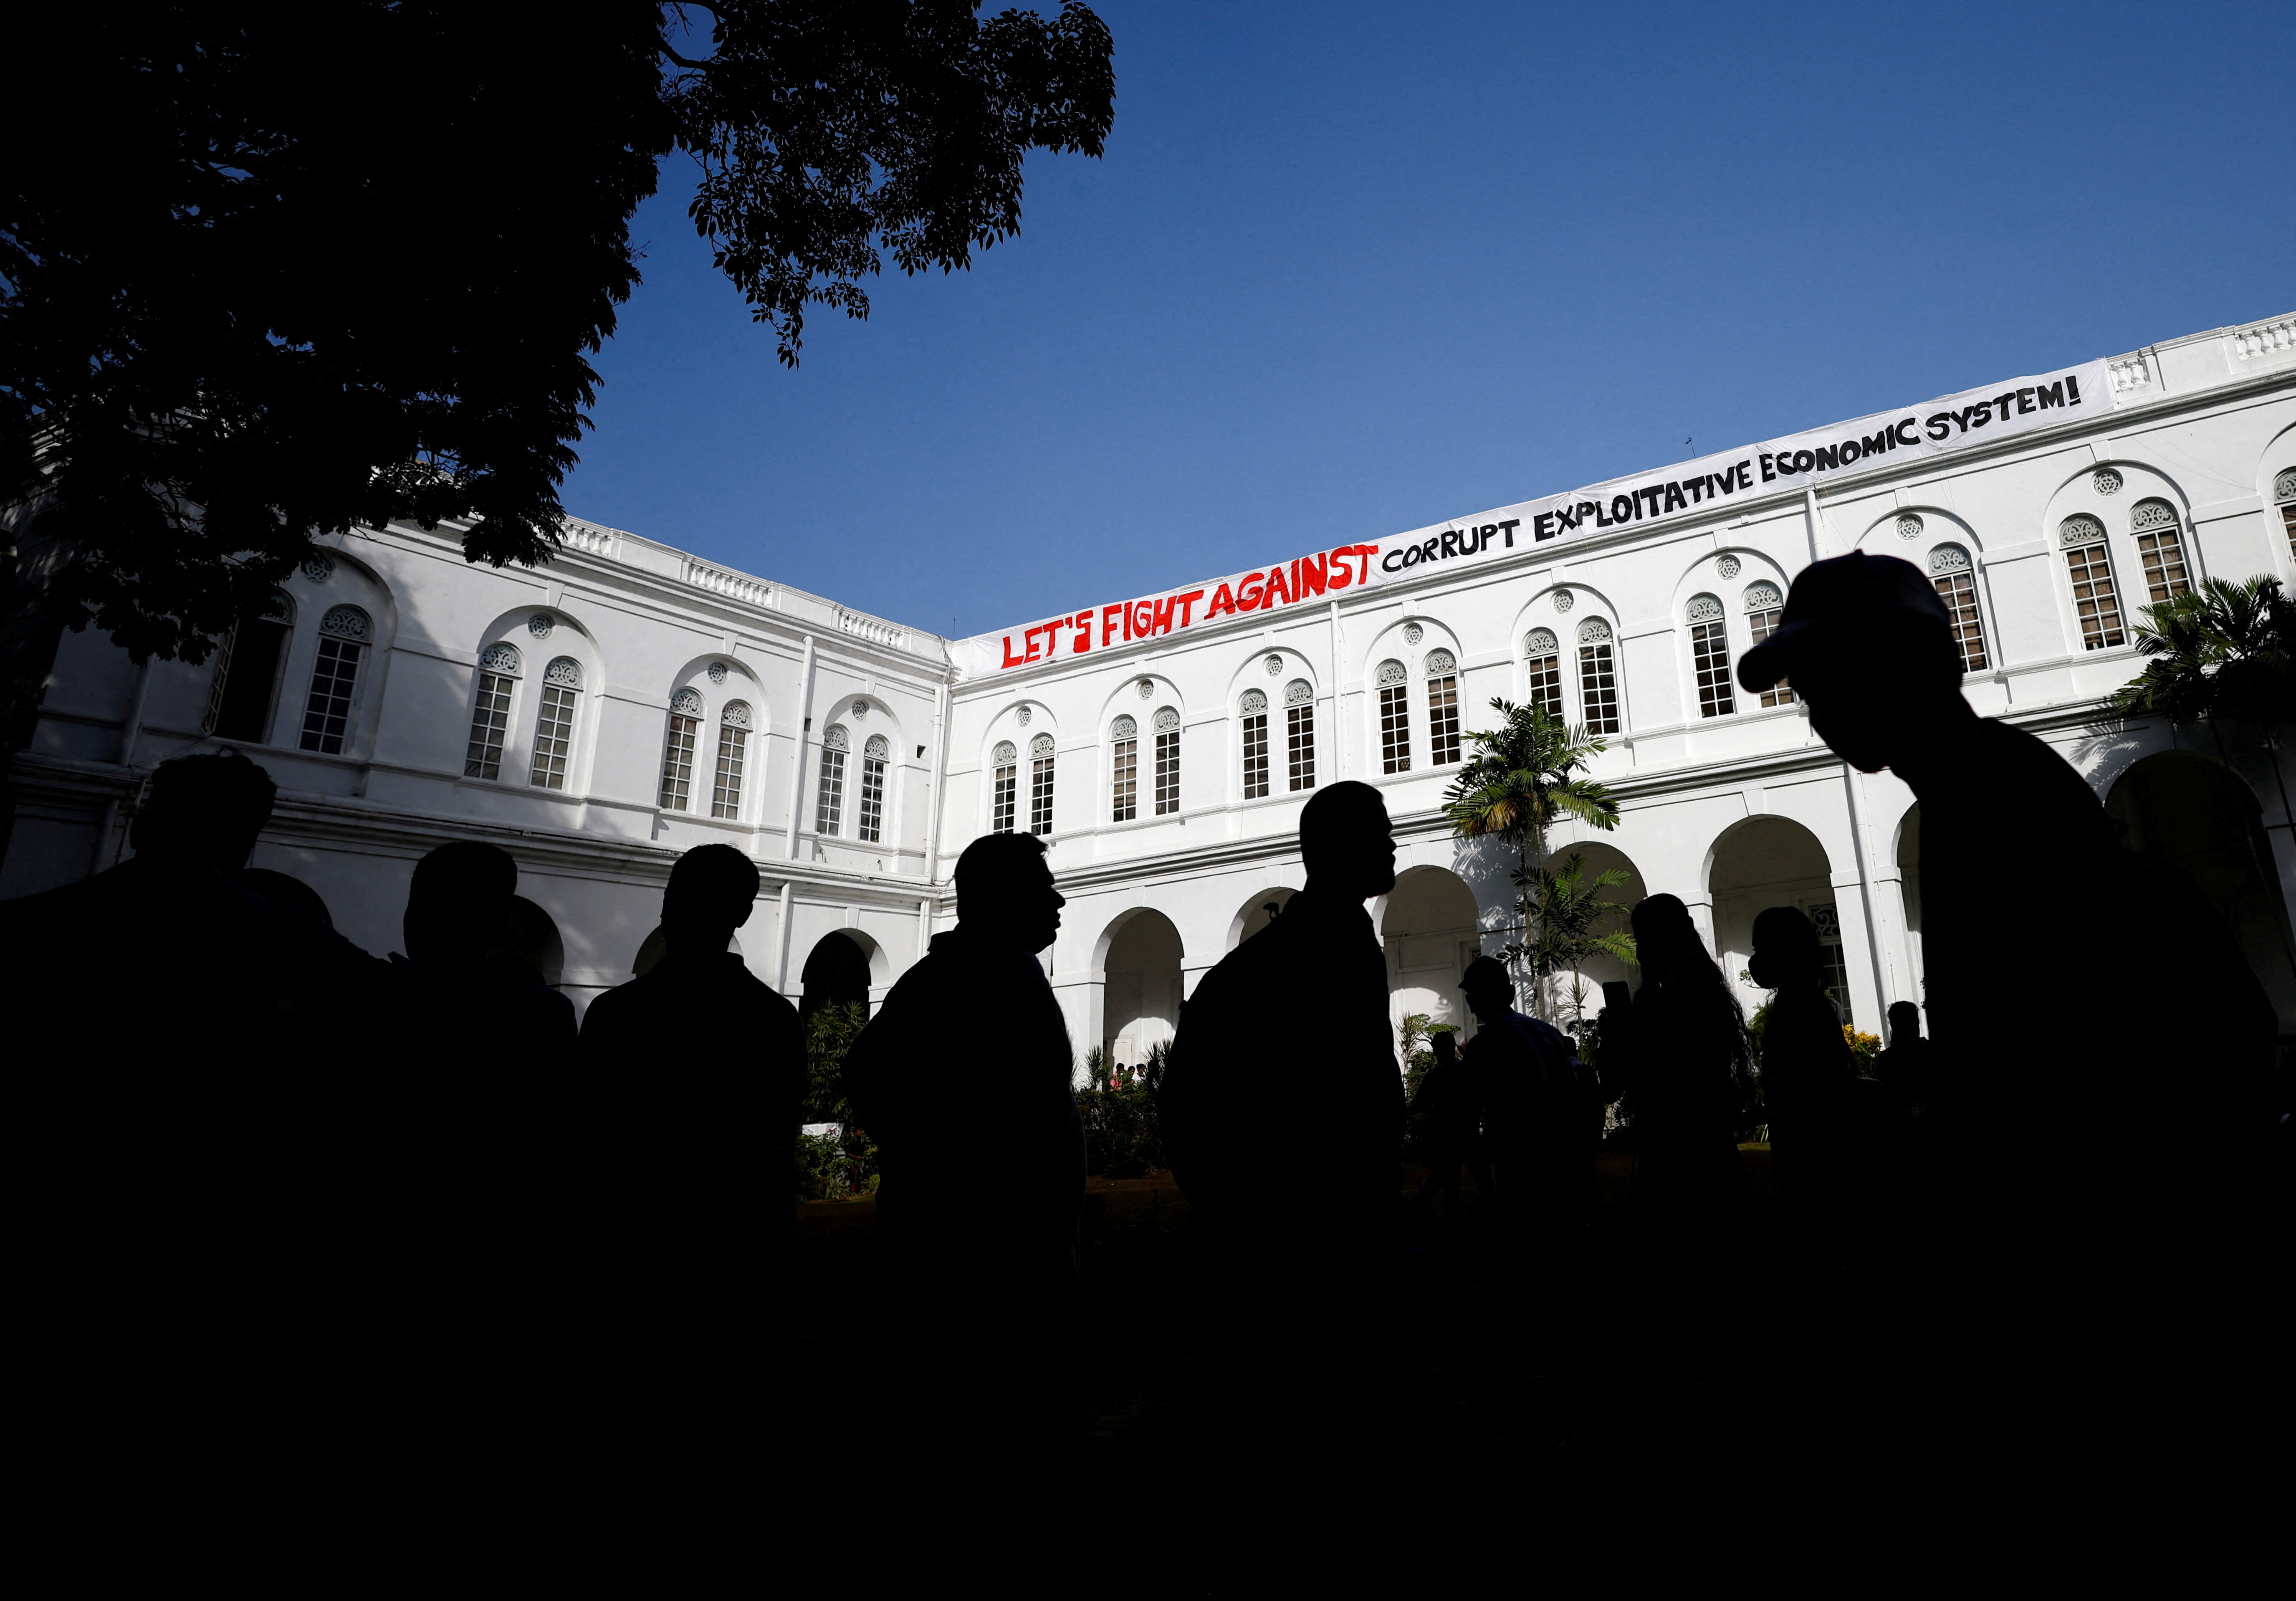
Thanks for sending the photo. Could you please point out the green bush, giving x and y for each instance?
(829, 1032)
(830, 1168)
(1121, 1136)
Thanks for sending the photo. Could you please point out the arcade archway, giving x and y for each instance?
(1762, 863)
(1431, 928)
(1141, 1004)
(836, 971)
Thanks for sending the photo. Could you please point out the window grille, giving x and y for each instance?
(1124, 795)
(498, 669)
(733, 756)
(829, 810)
(871, 820)
(1255, 745)
(247, 673)
(677, 751)
(1598, 678)
(2158, 541)
(1006, 769)
(1763, 608)
(1041, 785)
(2284, 490)
(1442, 708)
(1299, 719)
(1394, 717)
(1168, 761)
(1710, 656)
(1949, 571)
(2091, 572)
(1543, 664)
(553, 723)
(343, 636)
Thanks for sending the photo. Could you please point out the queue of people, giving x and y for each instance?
(233, 1118)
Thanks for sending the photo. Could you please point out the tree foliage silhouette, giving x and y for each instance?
(239, 304)
(1526, 774)
(2225, 652)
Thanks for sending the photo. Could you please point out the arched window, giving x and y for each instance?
(1598, 678)
(733, 726)
(677, 749)
(1167, 760)
(2284, 490)
(553, 722)
(1442, 708)
(1710, 656)
(1394, 717)
(1041, 785)
(1255, 744)
(499, 666)
(2160, 542)
(1124, 755)
(247, 673)
(1949, 571)
(1299, 719)
(1004, 767)
(829, 815)
(2090, 568)
(1764, 607)
(874, 756)
(1543, 664)
(344, 635)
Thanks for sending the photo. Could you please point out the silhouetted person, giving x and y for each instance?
(695, 1082)
(1282, 1072)
(1684, 1062)
(1904, 1065)
(1452, 1133)
(181, 1117)
(1807, 1076)
(1538, 1096)
(963, 1081)
(461, 978)
(2061, 974)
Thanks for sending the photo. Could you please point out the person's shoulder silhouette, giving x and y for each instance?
(457, 981)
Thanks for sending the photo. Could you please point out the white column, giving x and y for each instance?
(796, 764)
(782, 941)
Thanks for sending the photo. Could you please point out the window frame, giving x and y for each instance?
(869, 808)
(346, 636)
(2152, 561)
(730, 772)
(2088, 560)
(502, 666)
(1043, 758)
(1601, 707)
(1167, 727)
(1444, 743)
(1543, 687)
(829, 786)
(1708, 627)
(1952, 569)
(1005, 787)
(681, 745)
(1124, 770)
(560, 692)
(1765, 608)
(1298, 737)
(1253, 712)
(1393, 682)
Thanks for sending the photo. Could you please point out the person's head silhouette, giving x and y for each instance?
(1786, 953)
(204, 811)
(1868, 643)
(1904, 1023)
(1346, 842)
(1005, 891)
(1446, 1046)
(1488, 989)
(457, 904)
(1667, 944)
(713, 890)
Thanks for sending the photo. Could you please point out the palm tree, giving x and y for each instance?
(2224, 651)
(1569, 920)
(1524, 775)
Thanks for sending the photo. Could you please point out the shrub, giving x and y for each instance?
(1122, 1137)
(830, 1168)
(829, 1033)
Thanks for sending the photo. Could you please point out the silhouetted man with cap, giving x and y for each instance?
(964, 1079)
(2048, 1061)
(693, 1083)
(1282, 1074)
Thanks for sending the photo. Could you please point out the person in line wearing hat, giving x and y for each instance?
(2048, 991)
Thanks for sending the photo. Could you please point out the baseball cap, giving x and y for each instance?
(1836, 599)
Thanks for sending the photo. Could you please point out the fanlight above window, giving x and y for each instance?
(1593, 631)
(2283, 488)
(1704, 608)
(1166, 719)
(502, 659)
(1539, 642)
(2079, 529)
(836, 739)
(2152, 513)
(1297, 692)
(878, 748)
(1005, 755)
(564, 671)
(1124, 728)
(1762, 597)
(1948, 558)
(1440, 663)
(736, 714)
(686, 702)
(1391, 673)
(1040, 747)
(1254, 702)
(345, 622)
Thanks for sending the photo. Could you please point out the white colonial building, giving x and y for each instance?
(629, 702)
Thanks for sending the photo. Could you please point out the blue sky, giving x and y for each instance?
(1348, 269)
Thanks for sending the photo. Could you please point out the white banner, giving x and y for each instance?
(1693, 490)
